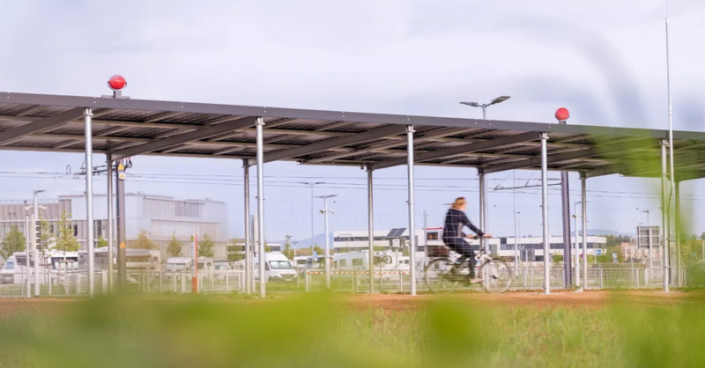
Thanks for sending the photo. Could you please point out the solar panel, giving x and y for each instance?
(398, 232)
(392, 232)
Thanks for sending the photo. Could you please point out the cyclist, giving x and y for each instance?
(453, 235)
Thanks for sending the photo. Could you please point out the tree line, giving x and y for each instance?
(64, 240)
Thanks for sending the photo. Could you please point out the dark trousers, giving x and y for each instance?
(460, 246)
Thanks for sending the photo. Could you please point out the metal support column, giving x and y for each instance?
(583, 194)
(260, 205)
(567, 253)
(35, 245)
(483, 206)
(664, 215)
(412, 232)
(88, 114)
(121, 230)
(425, 240)
(370, 229)
(575, 249)
(248, 249)
(677, 225)
(544, 216)
(28, 246)
(111, 219)
(327, 241)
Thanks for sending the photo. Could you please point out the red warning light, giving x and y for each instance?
(562, 114)
(117, 82)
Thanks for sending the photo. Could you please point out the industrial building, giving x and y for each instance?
(531, 248)
(159, 217)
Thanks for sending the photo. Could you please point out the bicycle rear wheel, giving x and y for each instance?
(441, 276)
(497, 276)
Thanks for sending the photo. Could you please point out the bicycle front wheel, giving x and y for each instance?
(440, 276)
(497, 276)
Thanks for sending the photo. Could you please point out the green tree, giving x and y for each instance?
(102, 243)
(174, 248)
(319, 251)
(288, 251)
(66, 242)
(205, 247)
(143, 242)
(234, 257)
(14, 242)
(45, 232)
(606, 257)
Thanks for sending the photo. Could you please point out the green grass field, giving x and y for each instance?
(321, 331)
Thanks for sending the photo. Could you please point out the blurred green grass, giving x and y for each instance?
(322, 331)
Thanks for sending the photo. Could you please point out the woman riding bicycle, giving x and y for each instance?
(454, 238)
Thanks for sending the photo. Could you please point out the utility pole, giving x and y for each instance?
(123, 165)
(121, 231)
(312, 184)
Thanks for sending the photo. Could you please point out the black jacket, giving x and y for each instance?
(455, 220)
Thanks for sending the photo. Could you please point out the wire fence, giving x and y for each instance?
(524, 279)
(75, 283)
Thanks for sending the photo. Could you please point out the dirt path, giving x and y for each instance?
(9, 307)
(587, 299)
(592, 299)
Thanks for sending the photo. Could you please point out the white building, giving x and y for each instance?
(159, 217)
(531, 248)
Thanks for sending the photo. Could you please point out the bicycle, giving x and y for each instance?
(444, 275)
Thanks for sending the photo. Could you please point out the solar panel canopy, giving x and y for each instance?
(132, 127)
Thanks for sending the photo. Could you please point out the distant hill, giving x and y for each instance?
(596, 232)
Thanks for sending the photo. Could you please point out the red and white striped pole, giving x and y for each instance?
(194, 278)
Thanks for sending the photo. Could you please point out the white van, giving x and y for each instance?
(101, 259)
(276, 268)
(142, 259)
(12, 272)
(205, 264)
(178, 264)
(51, 261)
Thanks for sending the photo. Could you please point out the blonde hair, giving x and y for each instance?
(459, 202)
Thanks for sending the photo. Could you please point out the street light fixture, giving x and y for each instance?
(312, 184)
(484, 107)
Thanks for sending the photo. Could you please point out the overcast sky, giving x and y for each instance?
(604, 60)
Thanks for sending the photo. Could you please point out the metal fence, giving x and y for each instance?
(75, 283)
(524, 279)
